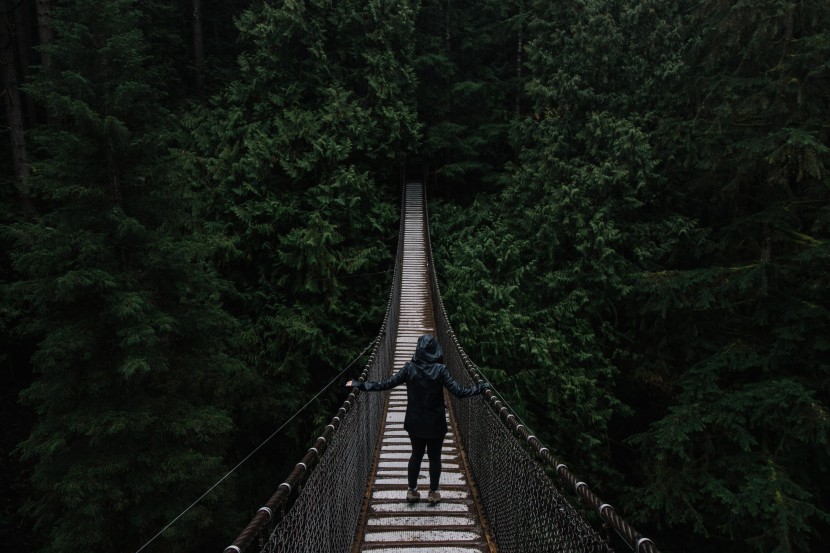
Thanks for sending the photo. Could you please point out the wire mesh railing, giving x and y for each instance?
(526, 510)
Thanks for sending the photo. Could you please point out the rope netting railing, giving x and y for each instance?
(526, 509)
(333, 473)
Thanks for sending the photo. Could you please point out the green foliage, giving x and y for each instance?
(289, 155)
(469, 88)
(576, 218)
(290, 162)
(132, 370)
(661, 250)
(633, 240)
(746, 370)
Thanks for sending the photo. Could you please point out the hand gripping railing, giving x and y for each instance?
(525, 509)
(333, 473)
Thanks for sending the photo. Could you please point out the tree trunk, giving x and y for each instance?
(14, 109)
(113, 173)
(21, 35)
(198, 47)
(519, 47)
(447, 33)
(44, 29)
(790, 24)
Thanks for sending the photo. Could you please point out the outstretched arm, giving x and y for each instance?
(387, 384)
(458, 390)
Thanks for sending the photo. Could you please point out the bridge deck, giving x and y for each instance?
(392, 524)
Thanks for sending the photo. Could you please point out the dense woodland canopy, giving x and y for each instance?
(629, 202)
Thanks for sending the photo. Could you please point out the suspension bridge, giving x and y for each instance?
(502, 490)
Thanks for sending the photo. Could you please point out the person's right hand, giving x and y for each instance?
(484, 386)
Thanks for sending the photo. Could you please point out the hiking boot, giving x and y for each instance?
(433, 497)
(413, 496)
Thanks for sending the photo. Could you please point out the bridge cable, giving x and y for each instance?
(257, 448)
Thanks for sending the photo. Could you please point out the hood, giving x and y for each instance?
(427, 352)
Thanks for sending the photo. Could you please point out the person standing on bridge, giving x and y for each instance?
(426, 421)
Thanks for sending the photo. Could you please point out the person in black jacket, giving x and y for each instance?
(425, 377)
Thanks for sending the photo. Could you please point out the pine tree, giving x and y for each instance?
(585, 211)
(295, 160)
(469, 87)
(320, 111)
(740, 322)
(132, 376)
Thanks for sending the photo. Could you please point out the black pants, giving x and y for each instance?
(433, 448)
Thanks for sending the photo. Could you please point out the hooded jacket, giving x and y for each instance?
(425, 377)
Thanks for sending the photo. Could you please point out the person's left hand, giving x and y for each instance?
(350, 383)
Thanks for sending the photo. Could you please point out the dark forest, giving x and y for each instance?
(199, 202)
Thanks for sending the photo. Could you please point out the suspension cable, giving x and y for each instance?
(257, 448)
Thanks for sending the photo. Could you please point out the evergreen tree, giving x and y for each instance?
(469, 72)
(295, 160)
(741, 456)
(668, 217)
(584, 211)
(290, 157)
(645, 252)
(132, 377)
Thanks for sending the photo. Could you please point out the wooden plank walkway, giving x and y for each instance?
(392, 524)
